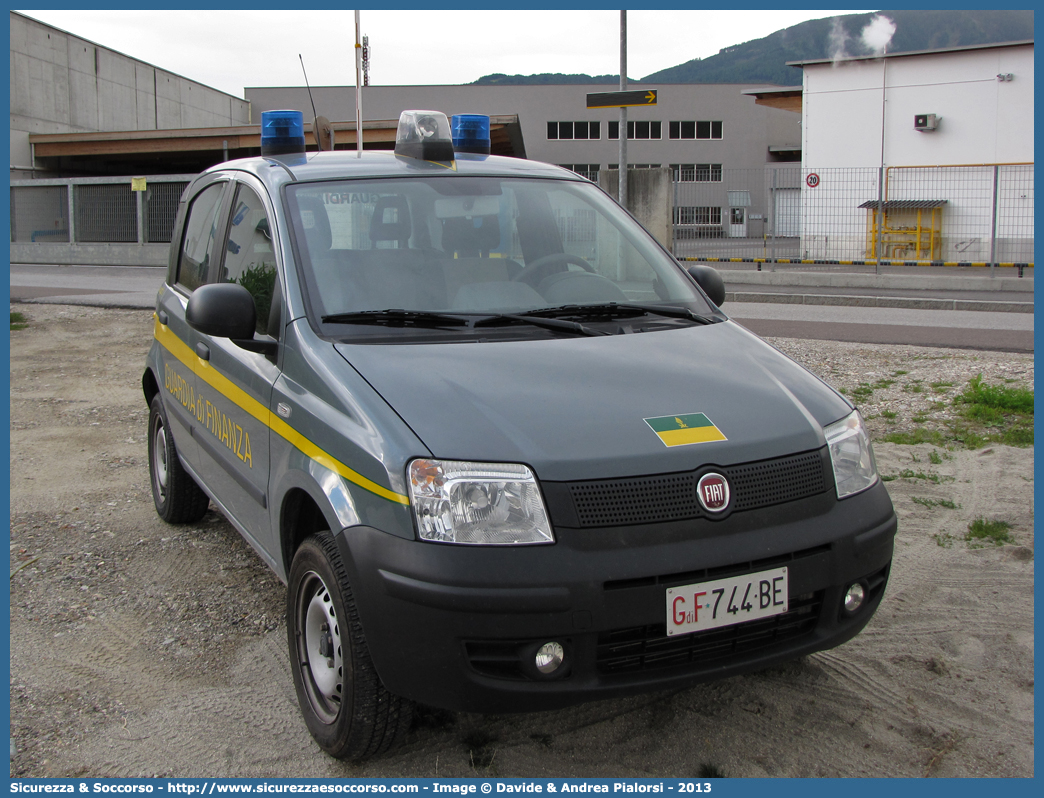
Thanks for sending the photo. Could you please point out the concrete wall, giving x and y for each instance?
(650, 199)
(91, 254)
(61, 83)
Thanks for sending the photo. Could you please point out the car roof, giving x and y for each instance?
(278, 170)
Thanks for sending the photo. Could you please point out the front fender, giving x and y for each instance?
(340, 503)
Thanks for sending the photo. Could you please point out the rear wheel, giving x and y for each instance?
(346, 708)
(178, 499)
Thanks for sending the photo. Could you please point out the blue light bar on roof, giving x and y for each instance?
(470, 133)
(282, 132)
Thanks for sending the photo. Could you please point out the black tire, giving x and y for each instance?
(178, 499)
(345, 706)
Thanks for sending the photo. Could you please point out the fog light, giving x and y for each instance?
(549, 658)
(854, 597)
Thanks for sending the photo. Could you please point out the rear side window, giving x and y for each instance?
(249, 257)
(198, 247)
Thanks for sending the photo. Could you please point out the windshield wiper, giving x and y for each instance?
(396, 316)
(538, 321)
(621, 309)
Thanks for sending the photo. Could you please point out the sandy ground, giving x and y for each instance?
(142, 649)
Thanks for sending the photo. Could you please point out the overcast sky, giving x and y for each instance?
(229, 50)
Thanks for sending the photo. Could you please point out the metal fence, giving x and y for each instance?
(943, 214)
(967, 215)
(102, 210)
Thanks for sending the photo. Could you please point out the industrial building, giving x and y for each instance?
(757, 172)
(942, 139)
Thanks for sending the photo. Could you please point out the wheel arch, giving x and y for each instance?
(149, 385)
(304, 510)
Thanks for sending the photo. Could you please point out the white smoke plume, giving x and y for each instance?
(875, 37)
(837, 40)
(878, 34)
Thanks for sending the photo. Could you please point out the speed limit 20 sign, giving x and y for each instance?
(812, 180)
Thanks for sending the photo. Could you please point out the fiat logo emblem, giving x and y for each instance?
(713, 492)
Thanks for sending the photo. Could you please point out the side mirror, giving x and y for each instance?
(709, 280)
(226, 310)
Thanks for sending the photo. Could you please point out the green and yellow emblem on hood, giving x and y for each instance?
(685, 429)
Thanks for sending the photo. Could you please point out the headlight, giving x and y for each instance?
(854, 467)
(477, 503)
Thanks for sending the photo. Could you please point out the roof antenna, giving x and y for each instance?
(321, 129)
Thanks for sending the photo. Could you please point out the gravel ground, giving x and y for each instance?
(142, 649)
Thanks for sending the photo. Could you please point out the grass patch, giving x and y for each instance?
(18, 321)
(899, 373)
(1004, 413)
(889, 415)
(913, 387)
(987, 414)
(983, 531)
(906, 473)
(862, 391)
(1000, 397)
(929, 503)
(934, 458)
(944, 540)
(915, 436)
(940, 387)
(481, 748)
(883, 384)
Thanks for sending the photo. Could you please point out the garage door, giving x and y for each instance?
(788, 212)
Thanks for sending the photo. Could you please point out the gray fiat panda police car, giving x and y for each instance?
(505, 452)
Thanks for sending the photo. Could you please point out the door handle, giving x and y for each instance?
(203, 351)
(163, 317)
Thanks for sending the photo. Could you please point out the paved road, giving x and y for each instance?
(100, 286)
(961, 329)
(136, 287)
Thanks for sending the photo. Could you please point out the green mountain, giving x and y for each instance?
(764, 60)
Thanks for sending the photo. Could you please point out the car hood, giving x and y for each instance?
(577, 408)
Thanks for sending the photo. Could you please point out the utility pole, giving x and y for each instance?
(623, 110)
(358, 88)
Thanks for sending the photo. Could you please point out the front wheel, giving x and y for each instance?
(345, 706)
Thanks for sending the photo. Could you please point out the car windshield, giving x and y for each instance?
(474, 245)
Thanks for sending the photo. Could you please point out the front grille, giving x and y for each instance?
(646, 648)
(672, 497)
(776, 481)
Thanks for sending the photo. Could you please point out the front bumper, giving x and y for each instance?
(457, 627)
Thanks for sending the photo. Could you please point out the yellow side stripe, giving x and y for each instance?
(204, 371)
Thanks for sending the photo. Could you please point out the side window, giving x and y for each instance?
(197, 246)
(249, 256)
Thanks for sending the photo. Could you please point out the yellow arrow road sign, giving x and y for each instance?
(620, 99)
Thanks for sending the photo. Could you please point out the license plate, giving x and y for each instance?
(709, 605)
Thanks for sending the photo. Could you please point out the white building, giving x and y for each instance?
(948, 136)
